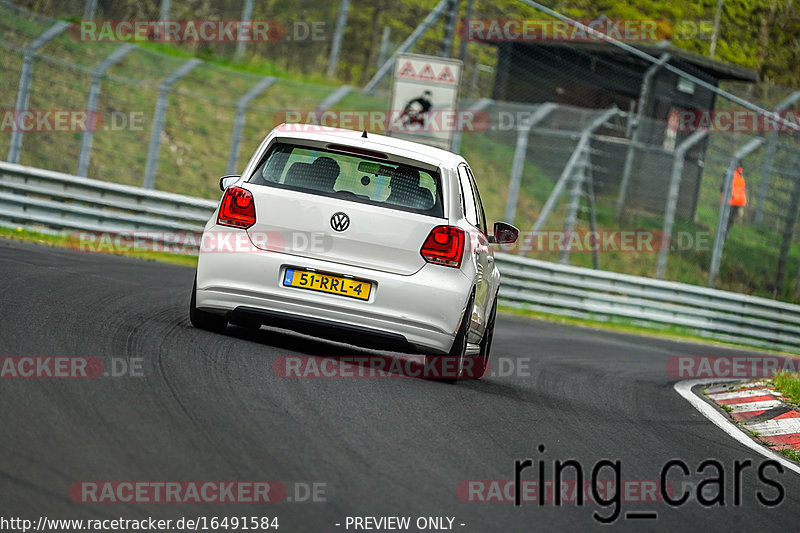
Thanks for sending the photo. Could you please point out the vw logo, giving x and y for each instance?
(340, 221)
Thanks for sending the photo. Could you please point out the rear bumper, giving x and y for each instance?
(421, 310)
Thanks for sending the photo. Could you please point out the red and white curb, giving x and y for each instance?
(758, 399)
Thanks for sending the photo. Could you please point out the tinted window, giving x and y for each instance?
(351, 177)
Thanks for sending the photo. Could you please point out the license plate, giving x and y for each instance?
(314, 281)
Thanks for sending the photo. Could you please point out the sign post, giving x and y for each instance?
(424, 105)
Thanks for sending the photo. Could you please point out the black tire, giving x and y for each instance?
(203, 319)
(451, 365)
(480, 363)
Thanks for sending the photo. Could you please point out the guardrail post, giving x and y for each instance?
(518, 165)
(583, 141)
(23, 93)
(722, 222)
(158, 119)
(672, 197)
(644, 98)
(238, 122)
(91, 105)
(384, 69)
(766, 166)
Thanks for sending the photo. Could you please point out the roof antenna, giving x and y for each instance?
(364, 135)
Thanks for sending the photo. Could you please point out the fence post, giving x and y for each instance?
(158, 119)
(578, 177)
(766, 167)
(89, 11)
(336, 44)
(672, 197)
(518, 164)
(238, 121)
(722, 221)
(91, 105)
(644, 98)
(23, 93)
(247, 13)
(786, 241)
(387, 30)
(462, 50)
(583, 141)
(384, 69)
(450, 28)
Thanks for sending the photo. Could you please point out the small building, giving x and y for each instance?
(598, 75)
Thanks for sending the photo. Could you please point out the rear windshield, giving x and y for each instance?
(351, 177)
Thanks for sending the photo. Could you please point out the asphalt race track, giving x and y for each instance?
(210, 407)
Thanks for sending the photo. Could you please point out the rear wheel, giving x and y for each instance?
(451, 366)
(479, 364)
(204, 319)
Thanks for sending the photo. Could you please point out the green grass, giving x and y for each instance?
(62, 240)
(790, 453)
(788, 384)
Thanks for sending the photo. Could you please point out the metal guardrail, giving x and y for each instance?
(32, 196)
(578, 292)
(63, 202)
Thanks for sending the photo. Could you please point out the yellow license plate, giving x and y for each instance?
(314, 281)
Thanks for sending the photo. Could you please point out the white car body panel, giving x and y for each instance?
(411, 298)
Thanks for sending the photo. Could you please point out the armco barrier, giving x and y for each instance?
(32, 196)
(63, 202)
(585, 293)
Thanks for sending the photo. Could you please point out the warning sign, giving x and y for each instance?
(424, 88)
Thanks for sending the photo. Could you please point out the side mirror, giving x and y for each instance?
(227, 181)
(504, 233)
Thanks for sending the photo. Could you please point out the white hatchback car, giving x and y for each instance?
(357, 237)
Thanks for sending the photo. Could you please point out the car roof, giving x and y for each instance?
(373, 141)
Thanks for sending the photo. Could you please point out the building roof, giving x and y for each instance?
(712, 67)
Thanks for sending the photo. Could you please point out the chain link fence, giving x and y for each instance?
(576, 180)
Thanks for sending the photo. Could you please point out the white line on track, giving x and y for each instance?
(684, 388)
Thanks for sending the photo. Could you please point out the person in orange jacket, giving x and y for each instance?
(738, 197)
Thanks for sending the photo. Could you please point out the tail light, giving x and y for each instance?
(444, 246)
(237, 209)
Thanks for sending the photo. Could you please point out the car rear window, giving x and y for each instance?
(351, 177)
